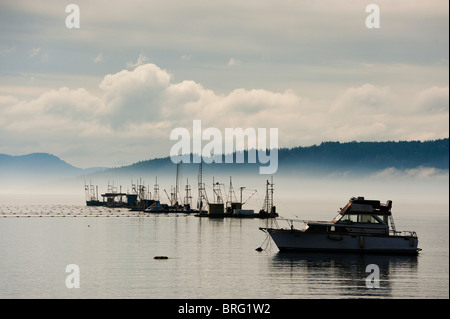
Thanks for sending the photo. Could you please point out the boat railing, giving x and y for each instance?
(405, 233)
(290, 222)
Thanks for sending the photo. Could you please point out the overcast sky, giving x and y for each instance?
(110, 92)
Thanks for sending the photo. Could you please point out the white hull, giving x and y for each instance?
(287, 240)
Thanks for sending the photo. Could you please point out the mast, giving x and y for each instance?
(242, 188)
(177, 183)
(86, 191)
(232, 195)
(268, 200)
(156, 190)
(188, 197)
(271, 194)
(202, 199)
(218, 198)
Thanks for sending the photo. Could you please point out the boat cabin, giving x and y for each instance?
(360, 210)
(358, 216)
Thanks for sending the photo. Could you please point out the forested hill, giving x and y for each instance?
(374, 155)
(327, 157)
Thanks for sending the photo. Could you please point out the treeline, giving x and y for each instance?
(327, 157)
(375, 155)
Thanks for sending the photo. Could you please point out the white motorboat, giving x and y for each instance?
(365, 226)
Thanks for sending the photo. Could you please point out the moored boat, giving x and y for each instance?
(365, 226)
(91, 194)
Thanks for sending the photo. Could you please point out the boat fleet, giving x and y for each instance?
(140, 198)
(362, 225)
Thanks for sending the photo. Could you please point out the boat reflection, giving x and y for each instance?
(342, 274)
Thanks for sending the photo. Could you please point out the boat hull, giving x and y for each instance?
(95, 203)
(296, 240)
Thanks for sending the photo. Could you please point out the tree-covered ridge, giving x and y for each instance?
(328, 157)
(402, 155)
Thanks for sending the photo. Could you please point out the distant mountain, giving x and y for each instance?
(370, 156)
(328, 157)
(42, 166)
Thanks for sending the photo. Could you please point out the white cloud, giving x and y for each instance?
(433, 100)
(365, 98)
(132, 117)
(416, 173)
(141, 60)
(33, 52)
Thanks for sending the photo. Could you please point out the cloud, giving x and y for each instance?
(416, 173)
(98, 58)
(132, 116)
(433, 100)
(365, 98)
(134, 96)
(141, 60)
(233, 62)
(33, 52)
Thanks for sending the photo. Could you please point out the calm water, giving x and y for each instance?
(207, 258)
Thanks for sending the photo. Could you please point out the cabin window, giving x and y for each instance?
(349, 219)
(360, 218)
(368, 219)
(365, 218)
(383, 218)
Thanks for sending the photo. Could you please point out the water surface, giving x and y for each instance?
(208, 258)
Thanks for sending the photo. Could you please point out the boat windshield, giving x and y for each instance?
(336, 219)
(361, 218)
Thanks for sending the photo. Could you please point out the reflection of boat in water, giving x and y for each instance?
(344, 275)
(361, 226)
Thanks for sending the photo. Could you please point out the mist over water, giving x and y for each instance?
(298, 195)
(291, 192)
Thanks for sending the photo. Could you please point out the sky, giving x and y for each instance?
(110, 92)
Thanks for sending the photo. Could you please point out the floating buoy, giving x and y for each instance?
(160, 257)
(259, 249)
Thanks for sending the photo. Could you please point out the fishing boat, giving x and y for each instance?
(92, 196)
(365, 226)
(157, 207)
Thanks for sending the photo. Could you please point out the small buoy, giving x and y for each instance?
(160, 257)
(259, 249)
